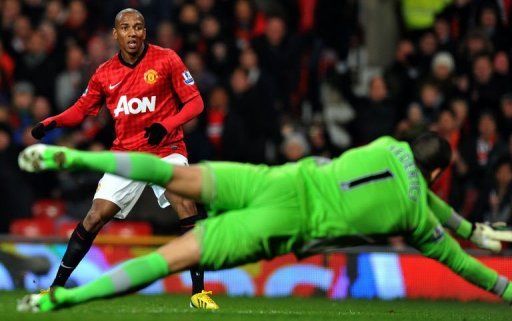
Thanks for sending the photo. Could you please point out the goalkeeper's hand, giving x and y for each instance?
(489, 236)
(40, 130)
(155, 133)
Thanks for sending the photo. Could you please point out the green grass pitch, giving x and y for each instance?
(174, 307)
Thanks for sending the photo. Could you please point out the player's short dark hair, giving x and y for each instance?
(120, 14)
(431, 151)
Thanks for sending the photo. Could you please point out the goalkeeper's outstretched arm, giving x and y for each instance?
(433, 242)
(485, 236)
(448, 216)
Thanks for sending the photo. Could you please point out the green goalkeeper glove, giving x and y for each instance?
(489, 236)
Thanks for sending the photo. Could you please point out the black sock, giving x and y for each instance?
(78, 245)
(186, 224)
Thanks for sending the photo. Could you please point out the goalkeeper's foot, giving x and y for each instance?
(40, 157)
(203, 301)
(42, 302)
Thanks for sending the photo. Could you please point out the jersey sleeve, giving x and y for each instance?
(431, 239)
(448, 216)
(181, 80)
(93, 97)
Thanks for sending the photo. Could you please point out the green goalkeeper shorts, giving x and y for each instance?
(255, 214)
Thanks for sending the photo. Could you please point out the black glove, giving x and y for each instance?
(155, 133)
(40, 129)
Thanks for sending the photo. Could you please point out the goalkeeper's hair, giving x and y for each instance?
(431, 151)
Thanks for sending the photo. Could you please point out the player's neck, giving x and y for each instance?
(132, 59)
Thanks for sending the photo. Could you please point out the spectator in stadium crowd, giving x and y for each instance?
(167, 36)
(442, 74)
(22, 99)
(492, 26)
(320, 144)
(495, 202)
(446, 41)
(6, 69)
(476, 43)
(402, 74)
(247, 22)
(483, 150)
(251, 121)
(447, 186)
(55, 13)
(427, 49)
(217, 47)
(430, 101)
(486, 88)
(70, 82)
(216, 118)
(258, 77)
(413, 124)
(501, 63)
(36, 66)
(377, 105)
(77, 24)
(277, 51)
(188, 26)
(460, 109)
(505, 116)
(294, 147)
(204, 79)
(17, 196)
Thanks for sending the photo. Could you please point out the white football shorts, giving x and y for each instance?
(125, 192)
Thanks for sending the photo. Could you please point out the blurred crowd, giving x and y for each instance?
(281, 80)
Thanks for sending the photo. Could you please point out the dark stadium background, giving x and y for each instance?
(281, 80)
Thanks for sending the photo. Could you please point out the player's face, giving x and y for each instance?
(130, 34)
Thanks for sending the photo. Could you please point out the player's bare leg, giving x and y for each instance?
(135, 274)
(189, 214)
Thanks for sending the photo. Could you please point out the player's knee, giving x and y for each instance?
(96, 219)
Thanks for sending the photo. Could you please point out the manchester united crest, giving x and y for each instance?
(150, 76)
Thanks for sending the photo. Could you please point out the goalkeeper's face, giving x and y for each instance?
(130, 33)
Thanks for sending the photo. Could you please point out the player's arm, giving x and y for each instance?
(448, 216)
(192, 104)
(88, 104)
(482, 235)
(433, 242)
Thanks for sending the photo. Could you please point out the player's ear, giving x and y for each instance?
(114, 33)
(144, 34)
(435, 174)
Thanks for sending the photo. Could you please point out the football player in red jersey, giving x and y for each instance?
(143, 87)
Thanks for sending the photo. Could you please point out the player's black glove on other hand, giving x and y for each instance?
(155, 133)
(40, 130)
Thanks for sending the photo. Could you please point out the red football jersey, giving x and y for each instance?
(138, 95)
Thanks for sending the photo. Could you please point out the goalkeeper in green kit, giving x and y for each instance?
(259, 212)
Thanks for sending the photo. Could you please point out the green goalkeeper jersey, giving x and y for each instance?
(368, 191)
(376, 191)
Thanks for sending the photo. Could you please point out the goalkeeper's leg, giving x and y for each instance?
(135, 274)
(184, 181)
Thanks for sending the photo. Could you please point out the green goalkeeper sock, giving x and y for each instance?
(136, 166)
(507, 294)
(128, 277)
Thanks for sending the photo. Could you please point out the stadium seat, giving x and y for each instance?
(66, 228)
(48, 208)
(33, 227)
(127, 229)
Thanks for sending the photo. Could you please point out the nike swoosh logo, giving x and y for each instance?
(114, 86)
